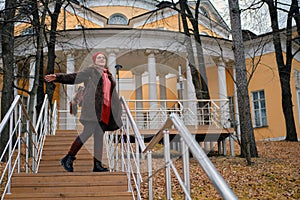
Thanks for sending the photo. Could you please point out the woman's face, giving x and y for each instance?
(100, 60)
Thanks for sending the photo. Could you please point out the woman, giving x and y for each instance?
(101, 109)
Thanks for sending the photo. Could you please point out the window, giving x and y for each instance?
(297, 78)
(117, 19)
(259, 109)
(203, 11)
(28, 31)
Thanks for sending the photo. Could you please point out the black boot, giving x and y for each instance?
(98, 166)
(67, 162)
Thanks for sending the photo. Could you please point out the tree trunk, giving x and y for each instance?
(40, 58)
(200, 76)
(38, 26)
(199, 49)
(287, 106)
(248, 144)
(190, 52)
(50, 87)
(284, 70)
(7, 42)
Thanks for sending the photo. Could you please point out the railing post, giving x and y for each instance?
(150, 182)
(219, 147)
(231, 145)
(128, 162)
(167, 163)
(34, 135)
(224, 147)
(26, 138)
(137, 153)
(186, 167)
(19, 138)
(9, 152)
(122, 153)
(46, 116)
(117, 151)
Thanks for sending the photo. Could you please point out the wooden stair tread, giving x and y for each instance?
(98, 188)
(72, 174)
(72, 195)
(53, 182)
(68, 184)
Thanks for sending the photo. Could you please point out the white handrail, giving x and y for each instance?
(140, 145)
(188, 142)
(208, 167)
(20, 128)
(134, 126)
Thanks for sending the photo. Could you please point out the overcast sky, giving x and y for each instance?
(258, 21)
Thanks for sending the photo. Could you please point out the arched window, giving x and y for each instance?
(117, 19)
(203, 11)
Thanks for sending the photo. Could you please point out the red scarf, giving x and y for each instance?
(106, 98)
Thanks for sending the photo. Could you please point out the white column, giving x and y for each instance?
(71, 121)
(191, 96)
(152, 88)
(138, 86)
(152, 76)
(31, 84)
(163, 90)
(139, 96)
(224, 106)
(31, 74)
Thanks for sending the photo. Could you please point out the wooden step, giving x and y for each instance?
(63, 151)
(91, 176)
(69, 182)
(73, 196)
(53, 182)
(78, 162)
(58, 157)
(79, 165)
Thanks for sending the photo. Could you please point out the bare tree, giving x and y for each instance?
(7, 44)
(194, 18)
(187, 15)
(200, 83)
(35, 15)
(190, 52)
(248, 144)
(52, 42)
(284, 64)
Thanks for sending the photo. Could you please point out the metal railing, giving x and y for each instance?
(152, 114)
(121, 154)
(127, 154)
(23, 137)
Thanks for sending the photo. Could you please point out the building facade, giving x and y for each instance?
(146, 38)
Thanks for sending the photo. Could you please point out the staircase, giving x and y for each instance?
(52, 182)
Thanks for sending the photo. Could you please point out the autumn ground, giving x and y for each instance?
(275, 174)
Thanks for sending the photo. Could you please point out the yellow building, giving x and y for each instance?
(146, 38)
